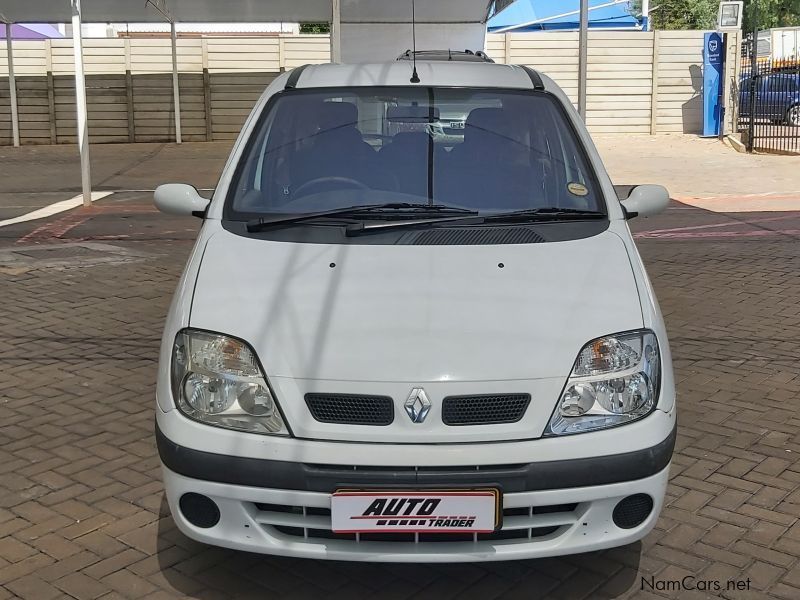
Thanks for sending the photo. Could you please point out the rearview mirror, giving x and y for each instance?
(180, 199)
(645, 201)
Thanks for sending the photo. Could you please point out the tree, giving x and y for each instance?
(680, 14)
(315, 28)
(702, 14)
(771, 13)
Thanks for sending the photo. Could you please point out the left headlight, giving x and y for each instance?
(615, 380)
(217, 380)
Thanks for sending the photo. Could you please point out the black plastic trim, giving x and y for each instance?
(557, 474)
(294, 76)
(536, 79)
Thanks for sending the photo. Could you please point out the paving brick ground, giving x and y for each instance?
(82, 512)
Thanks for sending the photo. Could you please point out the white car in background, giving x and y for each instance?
(421, 348)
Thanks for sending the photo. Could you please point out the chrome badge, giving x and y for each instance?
(417, 405)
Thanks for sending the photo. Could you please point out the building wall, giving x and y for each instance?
(637, 82)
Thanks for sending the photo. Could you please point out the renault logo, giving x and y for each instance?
(417, 405)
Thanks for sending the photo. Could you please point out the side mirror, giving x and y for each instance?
(180, 199)
(645, 201)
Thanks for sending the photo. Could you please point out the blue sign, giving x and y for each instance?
(713, 62)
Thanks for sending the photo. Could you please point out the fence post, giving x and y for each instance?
(51, 91)
(654, 86)
(506, 49)
(583, 57)
(336, 33)
(281, 54)
(735, 83)
(206, 90)
(129, 92)
(751, 126)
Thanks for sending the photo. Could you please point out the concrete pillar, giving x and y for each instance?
(12, 87)
(80, 104)
(176, 93)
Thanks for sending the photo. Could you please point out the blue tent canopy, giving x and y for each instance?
(520, 12)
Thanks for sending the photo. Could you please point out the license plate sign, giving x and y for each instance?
(456, 511)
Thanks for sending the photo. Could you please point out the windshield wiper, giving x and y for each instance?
(474, 217)
(546, 214)
(263, 224)
(468, 218)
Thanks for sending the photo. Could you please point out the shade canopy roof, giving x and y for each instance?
(533, 15)
(352, 11)
(31, 31)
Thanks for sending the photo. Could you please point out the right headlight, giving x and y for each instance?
(615, 380)
(217, 380)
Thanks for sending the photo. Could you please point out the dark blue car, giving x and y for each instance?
(777, 98)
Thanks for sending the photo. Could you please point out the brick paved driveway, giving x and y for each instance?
(82, 512)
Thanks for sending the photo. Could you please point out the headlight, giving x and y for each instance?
(615, 380)
(217, 380)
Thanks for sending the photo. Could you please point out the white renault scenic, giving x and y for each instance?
(403, 338)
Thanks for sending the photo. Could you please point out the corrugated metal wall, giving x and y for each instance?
(129, 86)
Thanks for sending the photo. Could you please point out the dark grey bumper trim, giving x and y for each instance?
(558, 474)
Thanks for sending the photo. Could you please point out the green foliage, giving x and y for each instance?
(315, 28)
(771, 13)
(680, 14)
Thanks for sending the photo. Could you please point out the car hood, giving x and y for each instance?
(399, 313)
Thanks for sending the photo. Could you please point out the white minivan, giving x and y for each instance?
(403, 339)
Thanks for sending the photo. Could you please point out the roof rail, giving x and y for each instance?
(291, 82)
(535, 78)
(447, 55)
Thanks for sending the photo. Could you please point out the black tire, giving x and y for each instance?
(793, 116)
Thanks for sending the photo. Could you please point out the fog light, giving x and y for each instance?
(199, 510)
(631, 512)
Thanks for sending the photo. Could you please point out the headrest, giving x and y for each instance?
(411, 137)
(335, 115)
(488, 121)
(412, 113)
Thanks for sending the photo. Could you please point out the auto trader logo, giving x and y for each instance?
(412, 512)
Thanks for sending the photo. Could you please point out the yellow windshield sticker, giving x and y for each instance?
(577, 189)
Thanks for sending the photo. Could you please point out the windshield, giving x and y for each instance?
(489, 151)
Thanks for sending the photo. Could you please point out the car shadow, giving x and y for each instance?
(198, 570)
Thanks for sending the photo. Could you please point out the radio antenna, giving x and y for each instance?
(414, 76)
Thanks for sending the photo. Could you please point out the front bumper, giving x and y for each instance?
(550, 508)
(249, 521)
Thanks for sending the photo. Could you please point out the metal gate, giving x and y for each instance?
(769, 104)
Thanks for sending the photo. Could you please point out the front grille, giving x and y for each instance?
(351, 409)
(484, 410)
(519, 523)
(511, 477)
